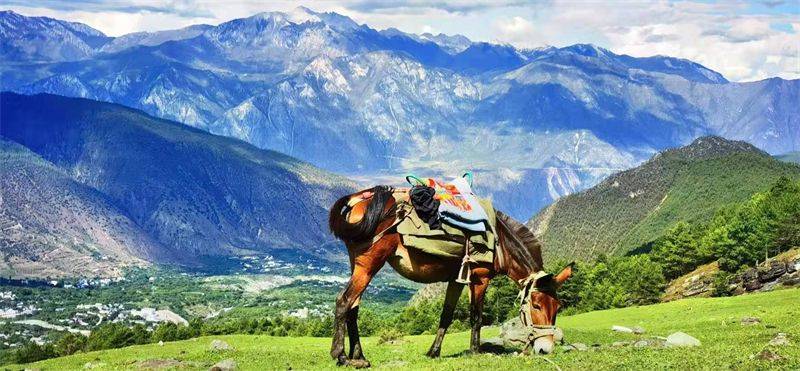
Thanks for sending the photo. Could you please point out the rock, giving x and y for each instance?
(224, 365)
(681, 339)
(751, 321)
(219, 345)
(750, 280)
(781, 339)
(767, 355)
(638, 330)
(161, 343)
(513, 333)
(775, 270)
(581, 347)
(619, 344)
(641, 344)
(621, 329)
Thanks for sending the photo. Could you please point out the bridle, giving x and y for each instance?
(536, 331)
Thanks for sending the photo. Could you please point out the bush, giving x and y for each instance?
(70, 343)
(721, 286)
(388, 335)
(32, 352)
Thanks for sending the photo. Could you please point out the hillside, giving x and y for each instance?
(635, 206)
(536, 124)
(716, 322)
(54, 226)
(790, 157)
(194, 193)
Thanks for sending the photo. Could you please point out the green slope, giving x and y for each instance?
(790, 157)
(715, 322)
(635, 206)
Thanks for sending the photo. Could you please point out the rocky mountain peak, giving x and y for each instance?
(714, 146)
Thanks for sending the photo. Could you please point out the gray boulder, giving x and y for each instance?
(621, 329)
(681, 339)
(513, 333)
(751, 320)
(219, 345)
(224, 365)
(781, 339)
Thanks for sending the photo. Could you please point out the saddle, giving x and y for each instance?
(467, 228)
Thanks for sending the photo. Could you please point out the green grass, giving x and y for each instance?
(726, 343)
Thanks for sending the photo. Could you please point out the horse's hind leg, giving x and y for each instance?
(450, 301)
(365, 266)
(352, 333)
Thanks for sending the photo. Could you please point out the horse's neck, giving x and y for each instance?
(506, 263)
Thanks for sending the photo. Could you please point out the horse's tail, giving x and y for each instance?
(364, 229)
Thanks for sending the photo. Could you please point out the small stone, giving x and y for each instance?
(224, 365)
(621, 329)
(581, 347)
(619, 344)
(751, 321)
(638, 330)
(767, 355)
(681, 339)
(641, 344)
(781, 339)
(217, 345)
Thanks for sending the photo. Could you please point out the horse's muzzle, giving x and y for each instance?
(544, 345)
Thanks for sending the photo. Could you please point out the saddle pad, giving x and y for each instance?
(448, 241)
(461, 208)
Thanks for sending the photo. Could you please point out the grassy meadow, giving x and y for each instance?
(716, 322)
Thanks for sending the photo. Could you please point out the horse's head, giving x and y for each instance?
(539, 307)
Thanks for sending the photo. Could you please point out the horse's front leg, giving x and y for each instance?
(477, 295)
(450, 301)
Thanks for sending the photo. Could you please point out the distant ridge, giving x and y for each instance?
(54, 226)
(193, 193)
(635, 206)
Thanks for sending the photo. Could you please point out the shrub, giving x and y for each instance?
(70, 343)
(388, 335)
(32, 352)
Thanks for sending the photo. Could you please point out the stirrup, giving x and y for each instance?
(464, 273)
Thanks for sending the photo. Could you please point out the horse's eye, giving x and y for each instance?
(536, 306)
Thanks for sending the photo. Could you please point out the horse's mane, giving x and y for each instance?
(364, 229)
(520, 243)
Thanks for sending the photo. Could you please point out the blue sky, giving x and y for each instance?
(744, 40)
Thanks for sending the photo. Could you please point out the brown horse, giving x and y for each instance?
(365, 221)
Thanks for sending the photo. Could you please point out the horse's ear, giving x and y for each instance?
(564, 275)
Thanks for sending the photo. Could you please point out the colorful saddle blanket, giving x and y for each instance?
(458, 206)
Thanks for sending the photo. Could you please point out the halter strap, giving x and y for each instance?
(529, 285)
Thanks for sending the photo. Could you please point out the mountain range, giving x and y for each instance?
(634, 207)
(535, 124)
(91, 187)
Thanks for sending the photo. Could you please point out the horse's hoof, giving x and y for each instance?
(357, 363)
